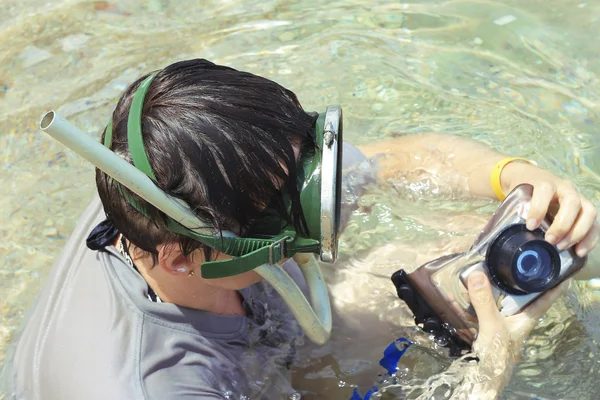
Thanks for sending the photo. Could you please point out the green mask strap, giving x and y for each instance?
(134, 129)
(248, 252)
(108, 135)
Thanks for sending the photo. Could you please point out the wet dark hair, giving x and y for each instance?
(216, 138)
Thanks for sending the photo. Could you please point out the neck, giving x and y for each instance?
(188, 292)
(225, 302)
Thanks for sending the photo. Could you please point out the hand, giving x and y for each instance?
(500, 338)
(574, 223)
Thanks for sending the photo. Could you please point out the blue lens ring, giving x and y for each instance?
(529, 264)
(536, 266)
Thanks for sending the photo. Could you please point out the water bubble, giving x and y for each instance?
(33, 55)
(505, 20)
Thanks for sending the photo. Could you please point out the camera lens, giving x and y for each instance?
(521, 261)
(534, 264)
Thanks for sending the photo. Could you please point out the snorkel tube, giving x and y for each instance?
(315, 320)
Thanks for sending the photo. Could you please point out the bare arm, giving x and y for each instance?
(467, 164)
(445, 155)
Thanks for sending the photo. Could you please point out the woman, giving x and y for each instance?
(132, 315)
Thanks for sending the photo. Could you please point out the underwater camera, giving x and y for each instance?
(520, 264)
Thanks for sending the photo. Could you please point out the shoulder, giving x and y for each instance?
(70, 340)
(179, 364)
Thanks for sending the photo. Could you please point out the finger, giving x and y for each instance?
(570, 205)
(590, 241)
(583, 224)
(482, 300)
(543, 193)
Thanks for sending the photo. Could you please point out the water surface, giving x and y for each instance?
(518, 75)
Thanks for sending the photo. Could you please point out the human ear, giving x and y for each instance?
(173, 261)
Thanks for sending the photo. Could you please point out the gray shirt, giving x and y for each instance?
(94, 334)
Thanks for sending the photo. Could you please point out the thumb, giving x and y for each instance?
(482, 300)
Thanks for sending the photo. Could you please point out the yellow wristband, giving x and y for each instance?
(497, 172)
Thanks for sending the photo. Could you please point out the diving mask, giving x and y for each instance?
(519, 263)
(319, 183)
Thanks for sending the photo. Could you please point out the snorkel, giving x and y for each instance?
(318, 189)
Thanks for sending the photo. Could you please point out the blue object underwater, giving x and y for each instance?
(391, 357)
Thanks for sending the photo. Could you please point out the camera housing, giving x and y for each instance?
(519, 263)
